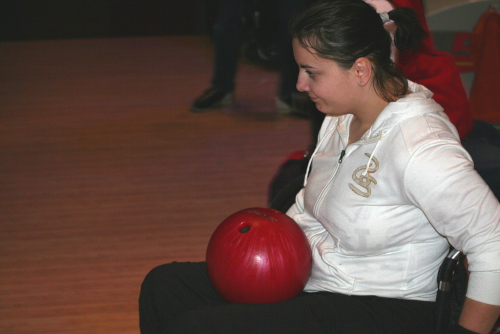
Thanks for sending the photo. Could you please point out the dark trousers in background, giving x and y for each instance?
(179, 298)
(226, 40)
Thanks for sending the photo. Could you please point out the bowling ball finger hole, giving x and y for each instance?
(244, 228)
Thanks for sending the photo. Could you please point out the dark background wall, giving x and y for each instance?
(56, 19)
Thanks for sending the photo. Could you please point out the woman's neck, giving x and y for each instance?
(367, 112)
(365, 117)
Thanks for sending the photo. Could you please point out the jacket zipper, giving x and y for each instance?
(322, 195)
(341, 156)
(327, 186)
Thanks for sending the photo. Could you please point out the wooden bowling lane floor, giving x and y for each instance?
(104, 173)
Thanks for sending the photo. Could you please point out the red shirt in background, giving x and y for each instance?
(437, 71)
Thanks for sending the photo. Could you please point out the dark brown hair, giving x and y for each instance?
(345, 30)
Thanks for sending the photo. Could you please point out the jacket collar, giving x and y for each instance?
(417, 103)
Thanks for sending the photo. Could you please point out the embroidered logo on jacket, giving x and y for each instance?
(364, 181)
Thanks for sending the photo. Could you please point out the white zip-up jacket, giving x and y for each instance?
(379, 213)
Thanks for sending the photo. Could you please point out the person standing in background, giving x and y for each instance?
(226, 34)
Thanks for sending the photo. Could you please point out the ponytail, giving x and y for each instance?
(409, 34)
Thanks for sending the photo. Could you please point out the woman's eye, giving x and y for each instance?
(310, 74)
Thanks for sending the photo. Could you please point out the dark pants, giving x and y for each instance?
(178, 298)
(226, 40)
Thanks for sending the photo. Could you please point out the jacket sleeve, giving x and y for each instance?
(440, 179)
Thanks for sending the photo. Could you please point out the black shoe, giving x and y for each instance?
(212, 98)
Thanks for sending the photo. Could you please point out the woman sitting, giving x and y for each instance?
(390, 188)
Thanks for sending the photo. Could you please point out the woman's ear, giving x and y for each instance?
(362, 70)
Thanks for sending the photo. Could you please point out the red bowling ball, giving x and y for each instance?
(257, 256)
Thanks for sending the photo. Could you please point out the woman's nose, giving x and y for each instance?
(301, 85)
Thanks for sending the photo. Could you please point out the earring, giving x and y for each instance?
(361, 82)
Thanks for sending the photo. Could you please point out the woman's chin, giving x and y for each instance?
(321, 108)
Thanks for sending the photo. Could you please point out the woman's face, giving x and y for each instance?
(332, 89)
